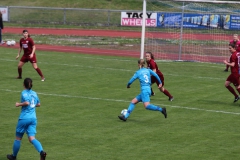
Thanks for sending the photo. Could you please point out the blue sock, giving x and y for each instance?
(16, 147)
(130, 109)
(153, 108)
(37, 145)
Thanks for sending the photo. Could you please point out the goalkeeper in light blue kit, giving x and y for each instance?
(144, 76)
(27, 121)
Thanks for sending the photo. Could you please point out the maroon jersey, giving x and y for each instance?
(153, 65)
(27, 45)
(234, 58)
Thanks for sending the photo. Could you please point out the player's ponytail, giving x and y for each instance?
(141, 63)
(27, 83)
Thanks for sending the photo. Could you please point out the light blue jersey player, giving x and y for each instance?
(27, 121)
(144, 76)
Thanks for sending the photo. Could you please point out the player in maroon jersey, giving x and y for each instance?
(28, 46)
(236, 43)
(234, 76)
(151, 64)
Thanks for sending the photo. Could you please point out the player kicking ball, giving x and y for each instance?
(143, 74)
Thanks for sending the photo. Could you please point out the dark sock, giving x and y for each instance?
(39, 72)
(232, 91)
(167, 93)
(19, 72)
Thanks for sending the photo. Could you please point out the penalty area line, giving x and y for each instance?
(119, 100)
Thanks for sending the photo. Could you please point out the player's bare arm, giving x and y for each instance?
(22, 104)
(33, 51)
(20, 50)
(230, 64)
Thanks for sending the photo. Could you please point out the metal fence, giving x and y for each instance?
(68, 16)
(175, 43)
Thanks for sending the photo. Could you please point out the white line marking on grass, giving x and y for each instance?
(199, 109)
(10, 60)
(119, 100)
(209, 78)
(75, 65)
(108, 59)
(124, 70)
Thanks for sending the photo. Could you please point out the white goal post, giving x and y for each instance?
(191, 30)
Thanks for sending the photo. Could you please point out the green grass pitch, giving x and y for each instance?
(83, 95)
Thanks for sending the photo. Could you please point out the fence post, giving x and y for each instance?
(64, 16)
(8, 13)
(108, 17)
(181, 32)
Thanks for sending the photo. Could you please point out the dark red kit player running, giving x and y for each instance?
(234, 76)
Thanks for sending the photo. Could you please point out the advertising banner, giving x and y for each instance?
(4, 11)
(191, 20)
(234, 22)
(135, 19)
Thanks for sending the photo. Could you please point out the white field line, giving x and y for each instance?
(124, 70)
(119, 100)
(217, 65)
(200, 64)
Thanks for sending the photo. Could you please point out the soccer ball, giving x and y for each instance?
(13, 42)
(124, 112)
(9, 43)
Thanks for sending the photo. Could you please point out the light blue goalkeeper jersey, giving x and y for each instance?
(144, 76)
(29, 111)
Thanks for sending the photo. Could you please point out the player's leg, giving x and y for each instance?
(152, 93)
(130, 108)
(153, 80)
(163, 90)
(237, 83)
(226, 69)
(1, 42)
(38, 71)
(227, 85)
(16, 147)
(31, 131)
(132, 105)
(33, 60)
(152, 107)
(38, 146)
(148, 106)
(20, 65)
(20, 130)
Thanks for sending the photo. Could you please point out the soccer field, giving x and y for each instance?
(83, 95)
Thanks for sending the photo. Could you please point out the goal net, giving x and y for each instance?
(192, 30)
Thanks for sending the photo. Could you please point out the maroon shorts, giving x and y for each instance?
(234, 78)
(26, 58)
(154, 80)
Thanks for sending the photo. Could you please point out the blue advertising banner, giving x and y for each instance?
(234, 22)
(191, 20)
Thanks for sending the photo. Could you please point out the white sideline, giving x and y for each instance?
(119, 100)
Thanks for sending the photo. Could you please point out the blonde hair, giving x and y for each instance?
(235, 35)
(141, 62)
